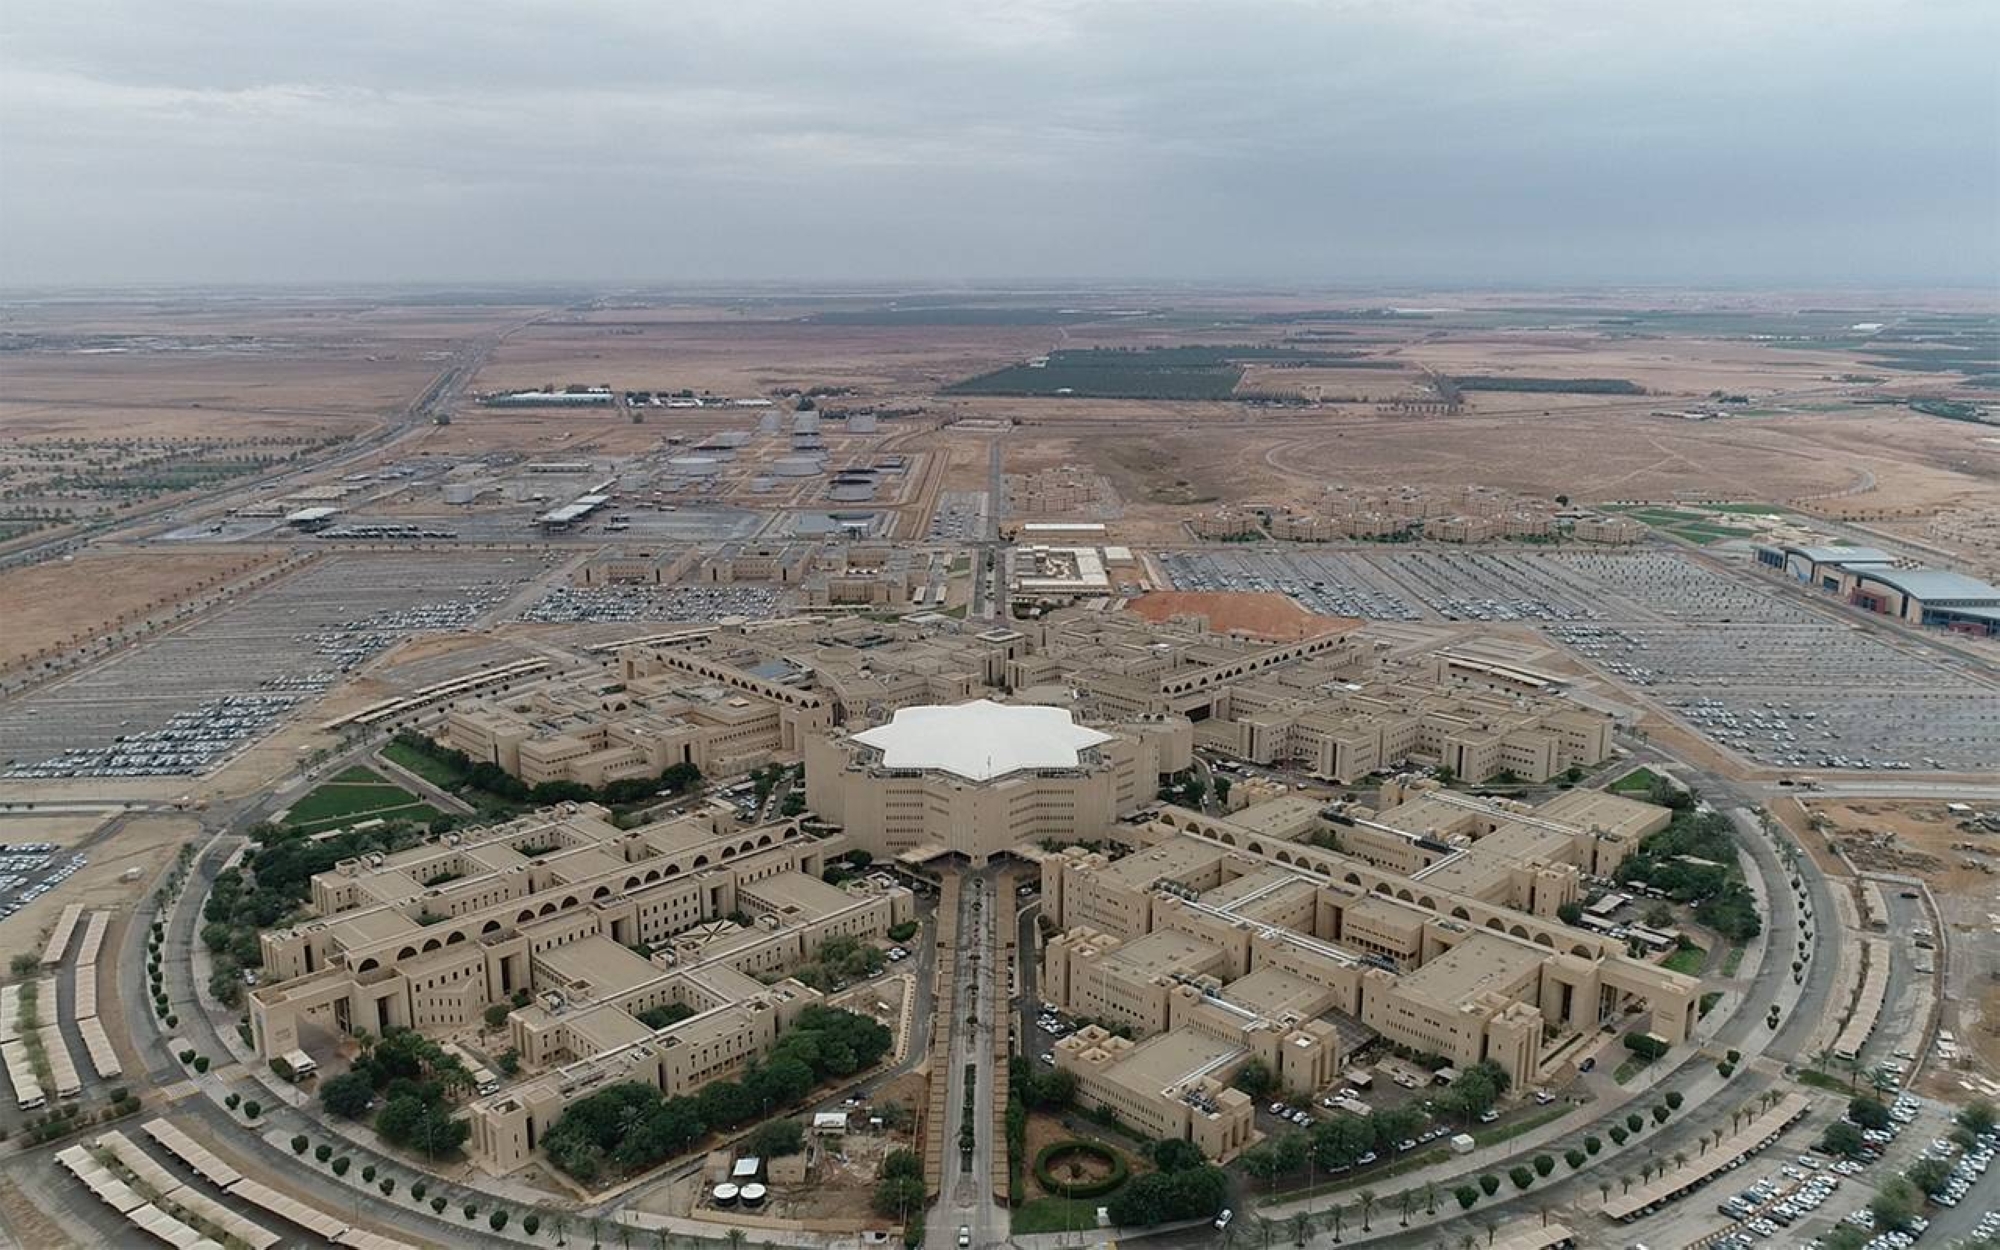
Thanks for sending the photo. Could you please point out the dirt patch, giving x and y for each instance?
(1259, 614)
(56, 605)
(144, 844)
(1954, 852)
(29, 1224)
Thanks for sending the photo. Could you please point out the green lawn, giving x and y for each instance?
(1688, 960)
(435, 771)
(1057, 1215)
(356, 794)
(1632, 1067)
(1638, 781)
(1732, 961)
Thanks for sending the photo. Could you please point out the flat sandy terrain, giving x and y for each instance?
(55, 604)
(147, 843)
(1278, 617)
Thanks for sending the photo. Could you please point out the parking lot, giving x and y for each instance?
(571, 604)
(960, 516)
(189, 699)
(1746, 664)
(29, 870)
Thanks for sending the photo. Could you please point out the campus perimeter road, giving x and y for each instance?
(965, 1198)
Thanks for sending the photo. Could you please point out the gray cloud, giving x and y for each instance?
(1284, 140)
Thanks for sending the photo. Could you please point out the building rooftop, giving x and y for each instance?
(1938, 584)
(981, 740)
(1172, 1059)
(1481, 964)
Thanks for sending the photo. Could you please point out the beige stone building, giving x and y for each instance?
(553, 908)
(1618, 530)
(981, 778)
(1431, 924)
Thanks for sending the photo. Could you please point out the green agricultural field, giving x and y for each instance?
(1193, 372)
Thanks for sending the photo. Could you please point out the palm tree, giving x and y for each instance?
(1301, 1227)
(736, 1239)
(562, 1229)
(1680, 1159)
(1822, 1057)
(1627, 1182)
(1490, 1228)
(1736, 1119)
(1367, 1200)
(1407, 1200)
(1467, 1242)
(1339, 1221)
(1430, 1198)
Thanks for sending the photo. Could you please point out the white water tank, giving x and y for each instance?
(861, 423)
(695, 466)
(805, 422)
(796, 466)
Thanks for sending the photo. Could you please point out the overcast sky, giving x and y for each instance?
(1294, 141)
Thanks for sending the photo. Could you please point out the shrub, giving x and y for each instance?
(471, 1211)
(1635, 1121)
(1489, 1184)
(187, 1056)
(1593, 1143)
(233, 1101)
(252, 1109)
(341, 1165)
(1055, 1152)
(498, 1220)
(417, 1191)
(201, 1063)
(299, 1144)
(1619, 1134)
(438, 1204)
(1660, 1113)
(1543, 1165)
(322, 1152)
(368, 1174)
(1521, 1176)
(1575, 1158)
(1466, 1195)
(1675, 1098)
(174, 1022)
(531, 1223)
(388, 1186)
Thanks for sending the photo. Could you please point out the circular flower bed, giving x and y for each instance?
(1058, 1166)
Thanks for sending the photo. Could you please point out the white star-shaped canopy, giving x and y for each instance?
(980, 740)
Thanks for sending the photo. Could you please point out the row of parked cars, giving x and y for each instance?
(1779, 1200)
(1970, 1167)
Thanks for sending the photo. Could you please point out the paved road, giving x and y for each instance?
(965, 1198)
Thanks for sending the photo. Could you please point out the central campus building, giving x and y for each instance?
(1287, 930)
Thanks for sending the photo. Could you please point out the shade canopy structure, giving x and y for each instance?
(981, 740)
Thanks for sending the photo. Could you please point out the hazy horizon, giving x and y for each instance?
(1799, 144)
